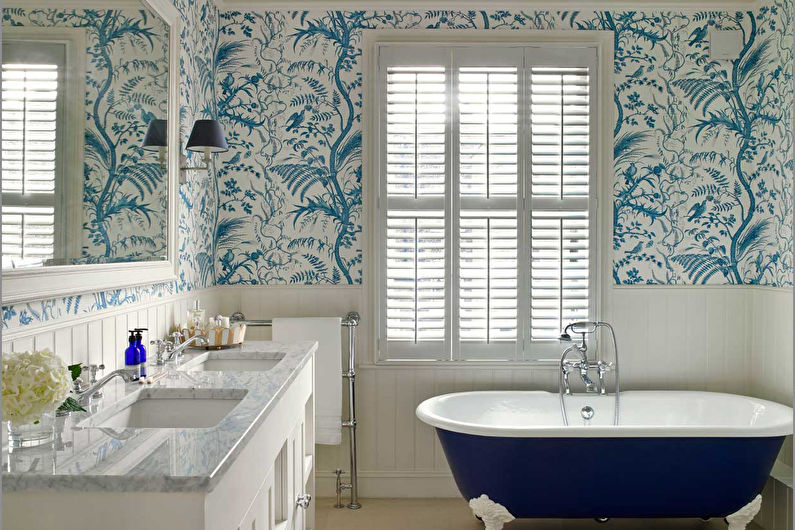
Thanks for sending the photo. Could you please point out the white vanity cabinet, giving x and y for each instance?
(261, 489)
(256, 487)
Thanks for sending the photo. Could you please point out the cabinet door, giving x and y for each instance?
(260, 515)
(297, 454)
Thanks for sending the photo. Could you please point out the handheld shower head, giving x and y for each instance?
(581, 327)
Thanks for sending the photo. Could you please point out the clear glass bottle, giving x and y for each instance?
(196, 316)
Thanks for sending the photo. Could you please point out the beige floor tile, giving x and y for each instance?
(454, 514)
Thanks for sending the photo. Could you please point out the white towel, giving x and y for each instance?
(328, 369)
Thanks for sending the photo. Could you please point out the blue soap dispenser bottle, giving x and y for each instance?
(132, 358)
(139, 343)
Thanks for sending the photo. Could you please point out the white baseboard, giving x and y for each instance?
(392, 484)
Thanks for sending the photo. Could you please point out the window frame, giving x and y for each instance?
(69, 145)
(602, 124)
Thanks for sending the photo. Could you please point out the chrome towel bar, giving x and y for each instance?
(351, 321)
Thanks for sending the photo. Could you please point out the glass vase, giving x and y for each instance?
(31, 434)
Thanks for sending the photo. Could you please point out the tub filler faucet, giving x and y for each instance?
(582, 365)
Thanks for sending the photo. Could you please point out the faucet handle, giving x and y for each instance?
(162, 347)
(77, 385)
(176, 337)
(93, 369)
(164, 344)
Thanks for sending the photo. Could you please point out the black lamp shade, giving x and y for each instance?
(207, 135)
(156, 136)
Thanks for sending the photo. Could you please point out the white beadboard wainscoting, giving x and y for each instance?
(733, 339)
(696, 338)
(770, 374)
(770, 318)
(101, 337)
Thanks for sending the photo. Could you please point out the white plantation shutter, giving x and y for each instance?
(560, 133)
(488, 299)
(415, 276)
(485, 201)
(31, 99)
(415, 114)
(485, 196)
(562, 204)
(488, 128)
(560, 270)
(28, 234)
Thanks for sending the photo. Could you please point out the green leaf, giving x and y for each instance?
(75, 370)
(71, 405)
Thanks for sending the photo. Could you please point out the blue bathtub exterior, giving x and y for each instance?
(611, 477)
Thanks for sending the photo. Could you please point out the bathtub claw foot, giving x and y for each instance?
(493, 514)
(740, 519)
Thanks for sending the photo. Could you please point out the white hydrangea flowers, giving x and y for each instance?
(34, 383)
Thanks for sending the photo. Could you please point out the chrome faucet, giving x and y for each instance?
(168, 350)
(582, 365)
(127, 375)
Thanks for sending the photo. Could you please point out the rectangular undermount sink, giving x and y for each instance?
(220, 361)
(182, 408)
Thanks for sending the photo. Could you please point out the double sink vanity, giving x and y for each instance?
(221, 440)
(224, 440)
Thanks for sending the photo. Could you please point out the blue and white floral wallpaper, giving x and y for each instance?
(124, 189)
(702, 148)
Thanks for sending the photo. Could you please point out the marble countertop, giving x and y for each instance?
(158, 460)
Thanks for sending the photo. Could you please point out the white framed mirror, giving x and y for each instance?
(90, 146)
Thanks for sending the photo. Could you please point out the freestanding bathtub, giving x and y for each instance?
(673, 454)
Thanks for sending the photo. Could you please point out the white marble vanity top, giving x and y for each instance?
(158, 459)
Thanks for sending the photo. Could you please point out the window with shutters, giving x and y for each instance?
(486, 203)
(35, 165)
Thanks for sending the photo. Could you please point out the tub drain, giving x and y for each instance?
(587, 412)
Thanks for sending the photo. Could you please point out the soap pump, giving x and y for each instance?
(132, 355)
(139, 343)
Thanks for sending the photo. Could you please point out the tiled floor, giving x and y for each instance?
(454, 514)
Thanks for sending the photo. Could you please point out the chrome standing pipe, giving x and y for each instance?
(350, 321)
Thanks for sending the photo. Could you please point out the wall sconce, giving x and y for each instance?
(207, 136)
(155, 140)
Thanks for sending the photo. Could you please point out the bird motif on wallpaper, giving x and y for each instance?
(235, 159)
(697, 210)
(295, 120)
(638, 73)
(637, 249)
(698, 35)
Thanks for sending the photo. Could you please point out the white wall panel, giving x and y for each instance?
(669, 337)
(710, 338)
(770, 344)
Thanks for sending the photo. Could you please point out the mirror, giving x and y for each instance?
(88, 109)
(82, 181)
